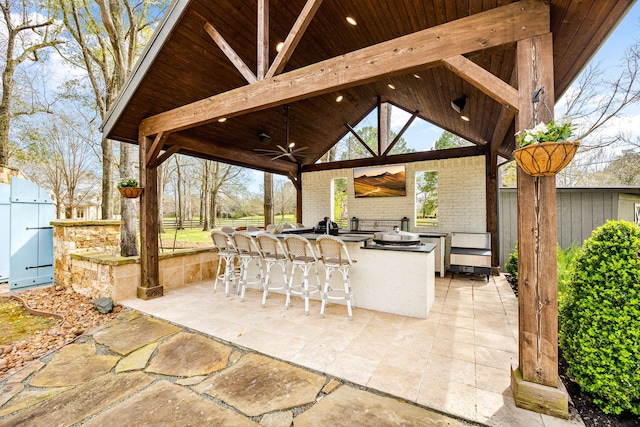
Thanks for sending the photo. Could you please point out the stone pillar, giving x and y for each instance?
(71, 236)
(7, 173)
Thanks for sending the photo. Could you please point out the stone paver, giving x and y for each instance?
(188, 355)
(166, 404)
(24, 373)
(277, 419)
(80, 402)
(128, 336)
(9, 391)
(348, 406)
(137, 360)
(256, 385)
(30, 398)
(74, 364)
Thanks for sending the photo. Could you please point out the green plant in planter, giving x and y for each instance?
(128, 182)
(600, 318)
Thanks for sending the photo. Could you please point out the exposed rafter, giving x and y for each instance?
(231, 54)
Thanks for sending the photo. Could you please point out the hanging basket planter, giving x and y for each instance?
(130, 192)
(545, 158)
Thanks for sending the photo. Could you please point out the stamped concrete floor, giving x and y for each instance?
(141, 371)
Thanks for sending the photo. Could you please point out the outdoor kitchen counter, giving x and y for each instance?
(392, 280)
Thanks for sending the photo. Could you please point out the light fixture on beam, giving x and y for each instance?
(458, 105)
(264, 138)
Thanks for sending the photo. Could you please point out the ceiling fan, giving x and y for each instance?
(288, 150)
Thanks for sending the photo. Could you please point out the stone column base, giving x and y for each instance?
(539, 398)
(149, 293)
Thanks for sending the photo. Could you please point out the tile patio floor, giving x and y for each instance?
(457, 361)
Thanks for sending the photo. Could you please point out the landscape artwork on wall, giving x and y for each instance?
(380, 181)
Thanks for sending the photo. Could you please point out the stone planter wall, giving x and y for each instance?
(97, 275)
(72, 236)
(87, 259)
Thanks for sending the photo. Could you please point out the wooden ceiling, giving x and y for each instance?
(183, 64)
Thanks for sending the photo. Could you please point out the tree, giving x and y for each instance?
(63, 163)
(450, 140)
(427, 193)
(28, 35)
(109, 38)
(624, 170)
(284, 197)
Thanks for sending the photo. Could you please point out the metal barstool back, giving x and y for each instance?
(335, 257)
(227, 254)
(248, 253)
(273, 253)
(301, 255)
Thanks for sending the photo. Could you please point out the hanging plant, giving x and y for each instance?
(545, 149)
(129, 188)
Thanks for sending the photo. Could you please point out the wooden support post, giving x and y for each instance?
(149, 270)
(491, 182)
(535, 382)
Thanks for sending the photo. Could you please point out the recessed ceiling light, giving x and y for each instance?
(391, 86)
(339, 98)
(222, 120)
(279, 46)
(417, 76)
(351, 20)
(465, 118)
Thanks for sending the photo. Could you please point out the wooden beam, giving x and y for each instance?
(294, 36)
(495, 27)
(483, 80)
(537, 240)
(263, 38)
(402, 131)
(476, 150)
(362, 142)
(231, 155)
(231, 54)
(155, 148)
(164, 156)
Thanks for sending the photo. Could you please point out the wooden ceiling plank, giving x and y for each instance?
(483, 80)
(293, 38)
(516, 21)
(231, 54)
(263, 38)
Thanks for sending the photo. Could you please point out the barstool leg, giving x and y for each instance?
(227, 275)
(305, 291)
(215, 283)
(325, 292)
(265, 284)
(287, 302)
(347, 292)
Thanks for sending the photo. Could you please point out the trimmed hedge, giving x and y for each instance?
(600, 318)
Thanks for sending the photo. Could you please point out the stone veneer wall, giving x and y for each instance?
(72, 236)
(461, 196)
(7, 173)
(97, 275)
(87, 259)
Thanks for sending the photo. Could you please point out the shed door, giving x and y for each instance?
(5, 218)
(31, 262)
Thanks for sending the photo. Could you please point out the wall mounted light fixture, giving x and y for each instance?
(264, 138)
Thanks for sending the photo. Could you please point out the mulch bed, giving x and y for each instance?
(589, 412)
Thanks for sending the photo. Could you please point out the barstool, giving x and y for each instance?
(301, 255)
(335, 257)
(228, 254)
(272, 253)
(248, 253)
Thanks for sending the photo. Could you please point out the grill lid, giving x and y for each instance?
(396, 237)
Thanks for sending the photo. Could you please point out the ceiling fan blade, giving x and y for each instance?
(293, 159)
(281, 155)
(284, 150)
(263, 150)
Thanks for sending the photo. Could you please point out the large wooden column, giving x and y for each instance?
(491, 185)
(149, 271)
(535, 381)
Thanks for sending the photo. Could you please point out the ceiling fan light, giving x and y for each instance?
(292, 144)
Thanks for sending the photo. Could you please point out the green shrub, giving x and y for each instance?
(565, 258)
(512, 263)
(600, 318)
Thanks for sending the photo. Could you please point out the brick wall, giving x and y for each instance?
(461, 196)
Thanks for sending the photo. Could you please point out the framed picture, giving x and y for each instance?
(380, 181)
